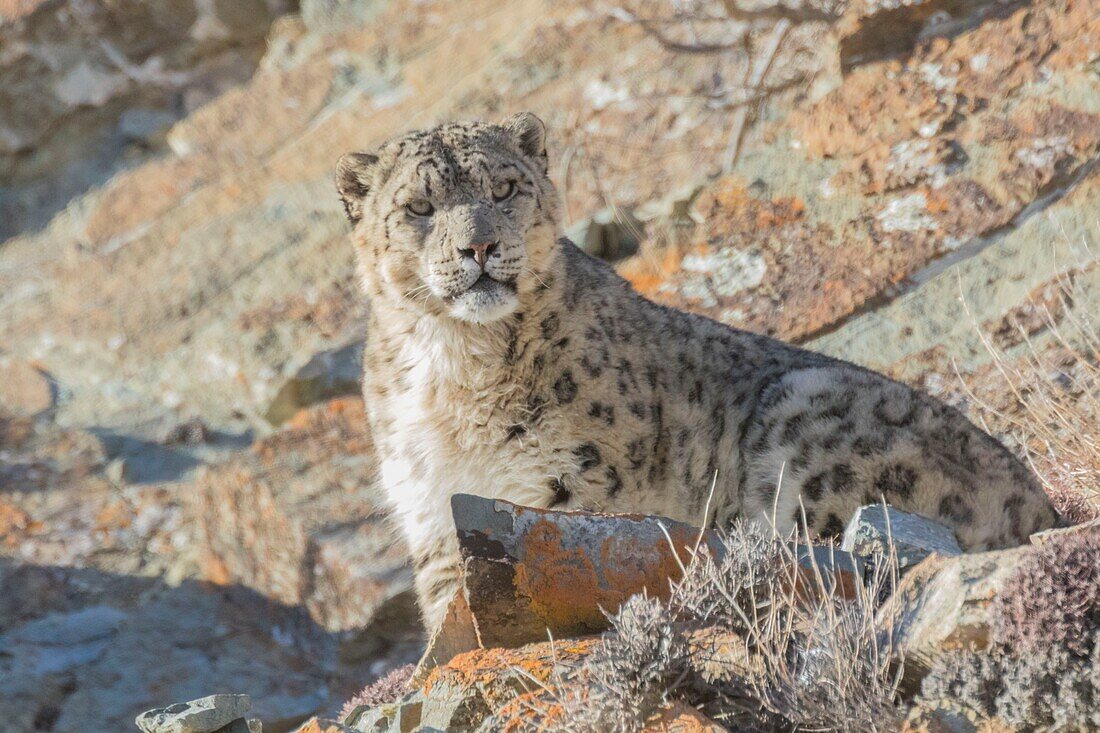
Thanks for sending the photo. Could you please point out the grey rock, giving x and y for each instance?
(453, 707)
(61, 642)
(205, 715)
(240, 725)
(945, 604)
(329, 374)
(875, 528)
(402, 716)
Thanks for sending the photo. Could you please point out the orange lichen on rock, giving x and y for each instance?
(493, 670)
(573, 587)
(648, 271)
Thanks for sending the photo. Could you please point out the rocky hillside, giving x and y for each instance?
(186, 482)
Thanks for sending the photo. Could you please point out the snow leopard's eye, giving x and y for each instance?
(503, 190)
(420, 207)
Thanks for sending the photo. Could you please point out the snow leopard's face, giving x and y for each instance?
(459, 220)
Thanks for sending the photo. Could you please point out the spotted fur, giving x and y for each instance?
(536, 374)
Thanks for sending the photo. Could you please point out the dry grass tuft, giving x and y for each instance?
(1048, 400)
(743, 643)
(818, 660)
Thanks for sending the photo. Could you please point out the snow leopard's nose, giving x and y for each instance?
(479, 252)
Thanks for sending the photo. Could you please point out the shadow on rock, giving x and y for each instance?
(149, 461)
(83, 649)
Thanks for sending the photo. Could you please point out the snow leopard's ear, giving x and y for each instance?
(529, 134)
(353, 178)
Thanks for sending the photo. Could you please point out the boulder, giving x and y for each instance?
(878, 530)
(205, 715)
(332, 373)
(300, 519)
(944, 604)
(529, 572)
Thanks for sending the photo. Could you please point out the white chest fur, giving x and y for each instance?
(439, 412)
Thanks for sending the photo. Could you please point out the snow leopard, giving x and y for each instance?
(503, 361)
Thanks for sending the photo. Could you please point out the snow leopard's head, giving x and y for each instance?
(459, 220)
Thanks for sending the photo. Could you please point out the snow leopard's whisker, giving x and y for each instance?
(535, 275)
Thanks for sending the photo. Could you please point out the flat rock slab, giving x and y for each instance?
(876, 528)
(205, 715)
(944, 605)
(530, 570)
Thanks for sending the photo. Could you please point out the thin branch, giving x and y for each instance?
(778, 12)
(754, 79)
(689, 48)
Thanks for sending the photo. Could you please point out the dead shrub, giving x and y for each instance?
(1047, 401)
(1053, 599)
(1047, 690)
(386, 689)
(783, 658)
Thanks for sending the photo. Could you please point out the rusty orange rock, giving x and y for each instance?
(533, 571)
(512, 685)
